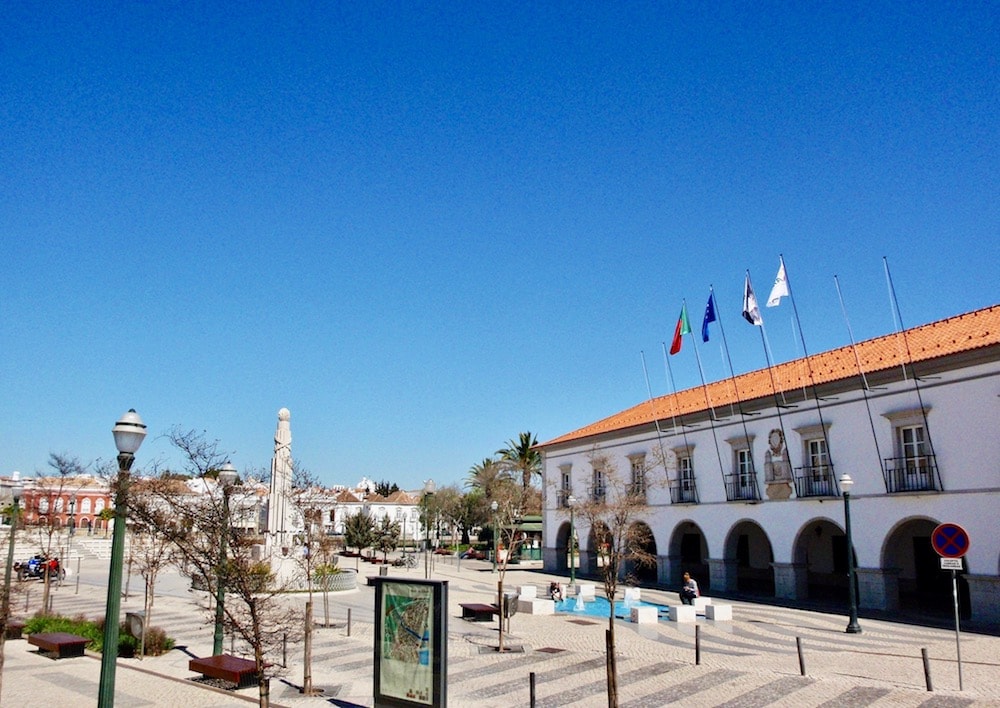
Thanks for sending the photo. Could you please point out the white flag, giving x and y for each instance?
(751, 313)
(780, 288)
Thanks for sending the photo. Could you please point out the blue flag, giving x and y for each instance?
(709, 317)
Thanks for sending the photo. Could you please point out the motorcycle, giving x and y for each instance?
(37, 566)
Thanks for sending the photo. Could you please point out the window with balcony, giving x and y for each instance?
(599, 488)
(741, 484)
(637, 488)
(683, 490)
(816, 477)
(914, 467)
(565, 484)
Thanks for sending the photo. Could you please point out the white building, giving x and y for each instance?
(745, 513)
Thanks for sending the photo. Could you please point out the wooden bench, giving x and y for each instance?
(59, 645)
(242, 672)
(478, 612)
(14, 629)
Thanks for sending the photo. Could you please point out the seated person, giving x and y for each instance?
(555, 591)
(689, 590)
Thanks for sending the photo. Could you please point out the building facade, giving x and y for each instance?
(742, 477)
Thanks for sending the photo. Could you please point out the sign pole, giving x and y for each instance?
(958, 642)
(951, 542)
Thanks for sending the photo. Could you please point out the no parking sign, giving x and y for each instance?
(950, 540)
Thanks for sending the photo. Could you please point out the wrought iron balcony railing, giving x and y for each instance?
(818, 481)
(742, 487)
(684, 491)
(912, 474)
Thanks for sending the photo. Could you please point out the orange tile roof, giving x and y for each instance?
(955, 335)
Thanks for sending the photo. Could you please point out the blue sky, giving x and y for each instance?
(426, 227)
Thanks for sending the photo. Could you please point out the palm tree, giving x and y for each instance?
(488, 476)
(521, 456)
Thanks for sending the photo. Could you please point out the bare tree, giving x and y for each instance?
(150, 552)
(195, 524)
(613, 510)
(51, 494)
(507, 541)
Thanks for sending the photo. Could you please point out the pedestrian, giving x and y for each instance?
(555, 591)
(689, 590)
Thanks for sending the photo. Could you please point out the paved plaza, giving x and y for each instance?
(750, 661)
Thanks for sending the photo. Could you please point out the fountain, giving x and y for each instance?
(579, 606)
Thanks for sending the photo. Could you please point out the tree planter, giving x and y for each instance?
(346, 579)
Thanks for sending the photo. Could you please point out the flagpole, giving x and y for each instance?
(759, 322)
(729, 360)
(673, 391)
(896, 323)
(809, 371)
(656, 418)
(708, 399)
(864, 380)
(913, 371)
(670, 375)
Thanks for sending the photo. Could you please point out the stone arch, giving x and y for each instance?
(688, 552)
(748, 544)
(921, 584)
(643, 573)
(599, 531)
(820, 555)
(562, 548)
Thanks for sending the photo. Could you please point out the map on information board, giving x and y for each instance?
(407, 637)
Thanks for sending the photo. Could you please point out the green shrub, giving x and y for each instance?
(157, 641)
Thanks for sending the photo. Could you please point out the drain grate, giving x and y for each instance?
(516, 649)
(582, 622)
(550, 650)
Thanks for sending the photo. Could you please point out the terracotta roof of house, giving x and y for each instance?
(400, 497)
(348, 497)
(954, 335)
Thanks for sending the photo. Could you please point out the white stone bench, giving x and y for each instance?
(535, 606)
(682, 613)
(700, 603)
(527, 592)
(632, 595)
(719, 613)
(644, 614)
(586, 591)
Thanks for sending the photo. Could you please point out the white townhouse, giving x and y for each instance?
(749, 496)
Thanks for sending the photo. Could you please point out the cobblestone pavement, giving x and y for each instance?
(751, 661)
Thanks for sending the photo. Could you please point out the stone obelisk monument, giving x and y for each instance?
(279, 530)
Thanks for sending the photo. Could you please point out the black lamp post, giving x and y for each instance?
(227, 475)
(493, 513)
(852, 625)
(15, 492)
(72, 515)
(429, 488)
(129, 433)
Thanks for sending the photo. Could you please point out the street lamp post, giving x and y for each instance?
(15, 493)
(570, 501)
(129, 433)
(72, 515)
(852, 625)
(493, 508)
(429, 488)
(227, 475)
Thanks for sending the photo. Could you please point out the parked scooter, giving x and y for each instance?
(37, 566)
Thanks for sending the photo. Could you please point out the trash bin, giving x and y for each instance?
(134, 621)
(509, 604)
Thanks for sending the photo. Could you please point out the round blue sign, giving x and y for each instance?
(950, 541)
